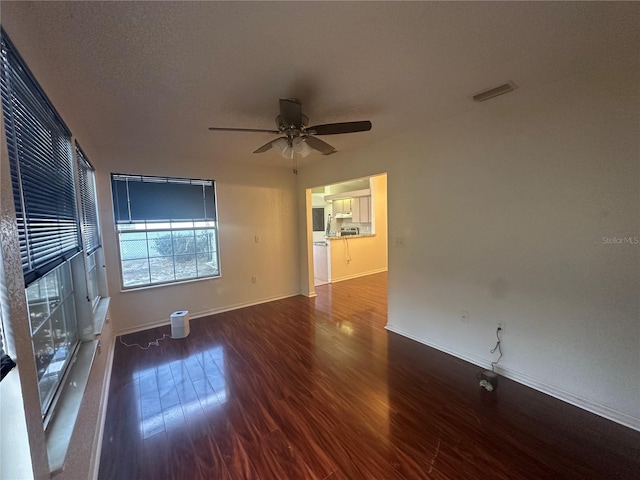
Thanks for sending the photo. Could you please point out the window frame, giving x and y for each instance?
(135, 224)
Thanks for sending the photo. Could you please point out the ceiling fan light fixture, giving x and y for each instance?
(288, 153)
(280, 145)
(301, 147)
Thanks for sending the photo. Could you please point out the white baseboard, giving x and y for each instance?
(568, 397)
(477, 361)
(357, 275)
(213, 311)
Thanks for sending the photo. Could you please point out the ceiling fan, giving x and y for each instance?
(297, 137)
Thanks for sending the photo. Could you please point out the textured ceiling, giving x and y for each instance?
(146, 79)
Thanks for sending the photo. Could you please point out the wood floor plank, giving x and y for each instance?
(317, 389)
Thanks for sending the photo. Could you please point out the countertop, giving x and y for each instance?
(360, 235)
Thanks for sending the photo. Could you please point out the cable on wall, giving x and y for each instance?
(498, 348)
(346, 249)
(489, 378)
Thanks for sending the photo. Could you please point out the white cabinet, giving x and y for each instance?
(342, 205)
(361, 209)
(321, 264)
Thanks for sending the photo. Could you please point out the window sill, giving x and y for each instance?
(62, 423)
(100, 315)
(168, 284)
(61, 426)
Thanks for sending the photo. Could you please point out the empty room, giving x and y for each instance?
(320, 240)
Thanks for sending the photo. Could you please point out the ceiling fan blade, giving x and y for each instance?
(337, 128)
(267, 146)
(223, 129)
(321, 146)
(291, 112)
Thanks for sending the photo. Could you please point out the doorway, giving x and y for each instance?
(352, 239)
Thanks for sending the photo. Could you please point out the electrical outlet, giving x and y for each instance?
(500, 326)
(254, 279)
(399, 241)
(257, 238)
(464, 316)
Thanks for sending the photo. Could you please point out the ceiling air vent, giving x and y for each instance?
(494, 92)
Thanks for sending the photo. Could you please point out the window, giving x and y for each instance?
(39, 146)
(87, 187)
(318, 219)
(90, 226)
(167, 229)
(54, 328)
(40, 158)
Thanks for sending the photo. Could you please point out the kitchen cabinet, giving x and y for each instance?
(342, 205)
(361, 208)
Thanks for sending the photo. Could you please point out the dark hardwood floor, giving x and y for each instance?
(317, 389)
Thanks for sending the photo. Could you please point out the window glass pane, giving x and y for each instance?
(184, 242)
(133, 245)
(127, 226)
(70, 331)
(135, 272)
(52, 289)
(92, 280)
(185, 266)
(58, 330)
(208, 224)
(162, 269)
(172, 256)
(204, 241)
(160, 243)
(177, 225)
(91, 261)
(66, 286)
(43, 348)
(207, 266)
(38, 304)
(44, 352)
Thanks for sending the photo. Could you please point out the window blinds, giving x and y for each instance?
(40, 157)
(142, 198)
(88, 200)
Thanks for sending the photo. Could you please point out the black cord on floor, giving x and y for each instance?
(155, 343)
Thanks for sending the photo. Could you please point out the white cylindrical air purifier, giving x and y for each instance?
(180, 324)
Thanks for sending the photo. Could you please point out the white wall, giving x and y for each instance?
(251, 201)
(503, 211)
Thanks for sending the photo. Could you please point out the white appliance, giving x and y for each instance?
(180, 324)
